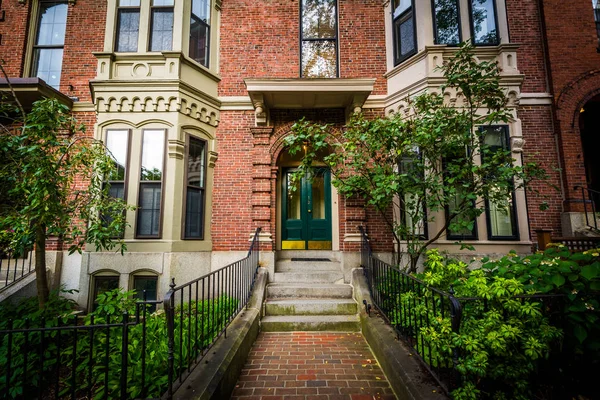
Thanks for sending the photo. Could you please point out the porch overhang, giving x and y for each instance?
(267, 94)
(30, 90)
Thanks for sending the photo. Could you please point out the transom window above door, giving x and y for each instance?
(318, 37)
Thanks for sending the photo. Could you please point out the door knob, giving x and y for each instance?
(309, 210)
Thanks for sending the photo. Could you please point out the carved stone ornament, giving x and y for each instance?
(517, 144)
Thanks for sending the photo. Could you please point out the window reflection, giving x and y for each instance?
(319, 39)
(48, 50)
(483, 15)
(293, 197)
(318, 197)
(447, 22)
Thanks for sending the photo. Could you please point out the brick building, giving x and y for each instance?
(194, 99)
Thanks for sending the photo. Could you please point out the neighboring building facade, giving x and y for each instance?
(194, 100)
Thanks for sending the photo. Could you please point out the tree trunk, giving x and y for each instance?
(41, 277)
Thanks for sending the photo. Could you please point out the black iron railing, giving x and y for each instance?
(591, 201)
(74, 357)
(399, 297)
(14, 268)
(199, 312)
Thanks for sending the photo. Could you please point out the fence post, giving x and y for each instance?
(124, 354)
(169, 304)
(544, 237)
(455, 316)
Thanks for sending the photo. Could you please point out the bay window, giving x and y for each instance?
(318, 37)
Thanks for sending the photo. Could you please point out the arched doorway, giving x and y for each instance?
(589, 124)
(306, 216)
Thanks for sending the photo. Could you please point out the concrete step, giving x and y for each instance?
(288, 254)
(287, 265)
(323, 323)
(298, 290)
(308, 277)
(311, 307)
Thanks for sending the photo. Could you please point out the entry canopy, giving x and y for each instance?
(266, 94)
(29, 90)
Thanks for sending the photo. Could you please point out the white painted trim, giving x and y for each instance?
(535, 99)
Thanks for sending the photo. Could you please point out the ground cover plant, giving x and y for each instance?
(89, 363)
(529, 326)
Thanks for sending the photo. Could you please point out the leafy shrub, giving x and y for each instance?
(89, 361)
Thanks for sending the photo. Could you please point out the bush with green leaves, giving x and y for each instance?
(525, 320)
(95, 356)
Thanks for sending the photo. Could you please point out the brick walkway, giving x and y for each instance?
(311, 365)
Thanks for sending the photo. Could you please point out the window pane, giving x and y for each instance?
(161, 37)
(407, 36)
(53, 23)
(464, 233)
(446, 22)
(319, 59)
(116, 144)
(293, 197)
(162, 2)
(484, 22)
(399, 6)
(103, 284)
(128, 28)
(199, 41)
(201, 9)
(147, 283)
(129, 3)
(194, 212)
(318, 19)
(153, 148)
(149, 211)
(195, 167)
(48, 65)
(318, 197)
(501, 218)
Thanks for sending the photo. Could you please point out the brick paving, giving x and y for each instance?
(312, 365)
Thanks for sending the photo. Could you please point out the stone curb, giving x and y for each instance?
(408, 378)
(217, 374)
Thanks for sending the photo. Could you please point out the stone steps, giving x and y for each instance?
(308, 293)
(288, 323)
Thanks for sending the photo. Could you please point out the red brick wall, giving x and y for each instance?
(541, 148)
(261, 40)
(14, 36)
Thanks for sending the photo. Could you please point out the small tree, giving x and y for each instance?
(51, 184)
(435, 158)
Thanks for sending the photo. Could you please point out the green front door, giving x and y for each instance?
(306, 211)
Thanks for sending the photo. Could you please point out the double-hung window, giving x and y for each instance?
(501, 215)
(151, 175)
(596, 4)
(128, 25)
(405, 29)
(318, 39)
(413, 215)
(446, 22)
(200, 31)
(49, 42)
(195, 189)
(463, 225)
(484, 23)
(161, 25)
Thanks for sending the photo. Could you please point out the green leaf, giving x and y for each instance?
(558, 280)
(590, 272)
(580, 333)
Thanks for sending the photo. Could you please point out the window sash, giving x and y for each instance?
(473, 234)
(195, 195)
(320, 51)
(401, 52)
(149, 213)
(489, 39)
(127, 39)
(495, 217)
(103, 283)
(199, 49)
(49, 42)
(446, 22)
(161, 36)
(148, 283)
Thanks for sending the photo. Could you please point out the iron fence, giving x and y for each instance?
(591, 200)
(75, 357)
(399, 297)
(199, 312)
(14, 268)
